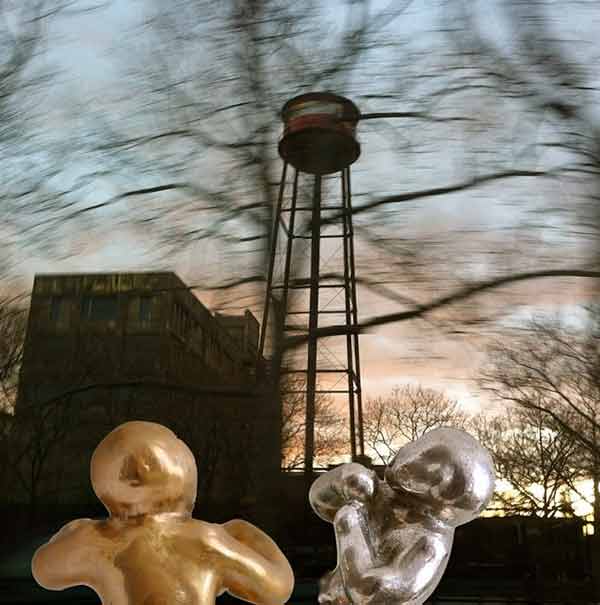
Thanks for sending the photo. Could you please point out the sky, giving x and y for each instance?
(83, 48)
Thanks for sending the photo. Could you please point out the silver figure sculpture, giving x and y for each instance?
(394, 536)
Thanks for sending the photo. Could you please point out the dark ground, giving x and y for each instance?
(22, 590)
(483, 584)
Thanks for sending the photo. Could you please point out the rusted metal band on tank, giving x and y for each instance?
(320, 120)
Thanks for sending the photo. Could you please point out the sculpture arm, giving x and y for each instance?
(344, 484)
(411, 573)
(259, 571)
(331, 589)
(60, 563)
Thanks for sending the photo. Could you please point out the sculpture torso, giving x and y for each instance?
(398, 522)
(152, 562)
(398, 535)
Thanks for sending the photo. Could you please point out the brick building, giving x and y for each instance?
(101, 349)
(138, 325)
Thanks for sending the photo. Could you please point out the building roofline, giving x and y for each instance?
(171, 274)
(98, 273)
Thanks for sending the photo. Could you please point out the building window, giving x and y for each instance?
(198, 337)
(176, 318)
(146, 310)
(100, 308)
(56, 305)
(182, 322)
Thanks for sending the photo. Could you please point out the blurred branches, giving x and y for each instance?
(37, 178)
(199, 117)
(553, 79)
(184, 147)
(477, 174)
(454, 297)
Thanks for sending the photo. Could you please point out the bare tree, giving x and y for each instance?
(330, 428)
(553, 369)
(37, 439)
(535, 457)
(218, 440)
(408, 413)
(12, 335)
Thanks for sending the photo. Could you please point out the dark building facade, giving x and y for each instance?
(101, 349)
(138, 325)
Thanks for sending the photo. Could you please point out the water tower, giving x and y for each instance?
(314, 283)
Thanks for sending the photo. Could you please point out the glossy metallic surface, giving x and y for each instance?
(150, 551)
(394, 536)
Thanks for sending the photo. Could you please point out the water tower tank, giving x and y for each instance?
(319, 133)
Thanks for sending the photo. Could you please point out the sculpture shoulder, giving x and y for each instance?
(210, 535)
(230, 534)
(73, 532)
(67, 549)
(253, 537)
(243, 530)
(74, 538)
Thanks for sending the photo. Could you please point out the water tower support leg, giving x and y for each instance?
(313, 324)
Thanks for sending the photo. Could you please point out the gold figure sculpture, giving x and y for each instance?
(150, 551)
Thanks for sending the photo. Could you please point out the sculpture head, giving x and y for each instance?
(143, 468)
(448, 470)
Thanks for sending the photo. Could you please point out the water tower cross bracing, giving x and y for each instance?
(311, 281)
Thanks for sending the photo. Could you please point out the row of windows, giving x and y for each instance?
(102, 308)
(204, 342)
